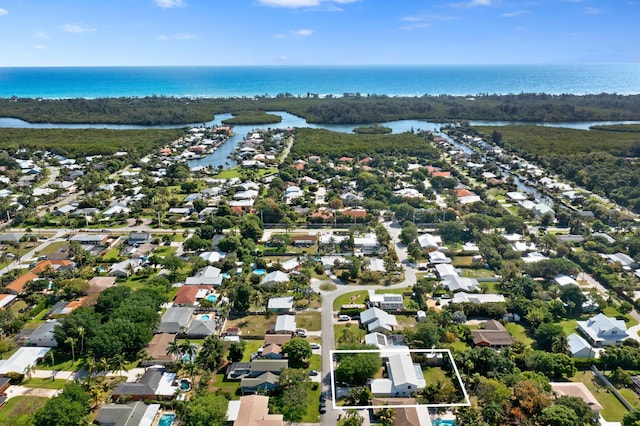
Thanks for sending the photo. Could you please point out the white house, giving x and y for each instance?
(429, 242)
(367, 244)
(456, 283)
(601, 330)
(285, 324)
(565, 281)
(280, 304)
(437, 257)
(462, 297)
(405, 376)
(124, 268)
(209, 275)
(378, 320)
(386, 301)
(579, 348)
(274, 278)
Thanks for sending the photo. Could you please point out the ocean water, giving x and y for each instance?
(95, 82)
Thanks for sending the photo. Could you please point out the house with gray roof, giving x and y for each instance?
(176, 320)
(601, 330)
(376, 319)
(285, 324)
(280, 304)
(155, 384)
(275, 278)
(43, 335)
(201, 328)
(132, 414)
(404, 376)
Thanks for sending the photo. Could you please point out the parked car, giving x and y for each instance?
(323, 407)
(313, 372)
(315, 346)
(344, 318)
(301, 332)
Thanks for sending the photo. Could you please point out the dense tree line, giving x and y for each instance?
(331, 110)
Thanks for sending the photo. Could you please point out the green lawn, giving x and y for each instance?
(310, 320)
(112, 253)
(477, 273)
(612, 409)
(519, 333)
(328, 287)
(434, 374)
(53, 247)
(230, 387)
(338, 329)
(611, 311)
(357, 297)
(406, 322)
(253, 325)
(19, 410)
(312, 415)
(43, 383)
(250, 346)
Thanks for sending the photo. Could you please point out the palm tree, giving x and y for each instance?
(560, 344)
(81, 333)
(191, 368)
(257, 299)
(71, 342)
(104, 366)
(144, 356)
(174, 348)
(188, 348)
(118, 363)
(53, 363)
(89, 364)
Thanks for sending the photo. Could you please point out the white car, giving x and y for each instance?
(315, 346)
(301, 332)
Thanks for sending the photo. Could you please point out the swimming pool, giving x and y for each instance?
(205, 317)
(212, 298)
(166, 419)
(440, 422)
(259, 271)
(226, 275)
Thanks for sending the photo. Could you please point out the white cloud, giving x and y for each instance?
(283, 58)
(280, 35)
(184, 36)
(302, 32)
(3, 12)
(473, 3)
(40, 46)
(168, 4)
(591, 11)
(72, 28)
(296, 4)
(179, 36)
(423, 21)
(514, 13)
(42, 35)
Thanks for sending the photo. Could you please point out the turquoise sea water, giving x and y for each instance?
(93, 82)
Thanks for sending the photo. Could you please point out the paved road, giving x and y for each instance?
(328, 314)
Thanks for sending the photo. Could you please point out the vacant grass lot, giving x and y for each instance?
(20, 409)
(253, 325)
(37, 382)
(309, 320)
(357, 297)
(612, 409)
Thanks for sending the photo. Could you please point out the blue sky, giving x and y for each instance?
(317, 32)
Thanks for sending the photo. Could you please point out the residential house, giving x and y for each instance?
(282, 304)
(493, 335)
(139, 237)
(189, 295)
(565, 281)
(213, 256)
(252, 410)
(438, 258)
(476, 298)
(302, 240)
(386, 301)
(22, 360)
(429, 242)
(176, 320)
(257, 375)
(201, 327)
(6, 300)
(404, 376)
(579, 347)
(209, 275)
(578, 390)
(155, 384)
(285, 324)
(376, 319)
(90, 239)
(157, 350)
(133, 414)
(601, 330)
(291, 265)
(43, 336)
(125, 268)
(275, 278)
(366, 245)
(456, 283)
(272, 348)
(626, 262)
(541, 210)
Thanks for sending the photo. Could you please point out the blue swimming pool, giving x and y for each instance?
(259, 271)
(205, 317)
(225, 275)
(166, 419)
(212, 298)
(440, 422)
